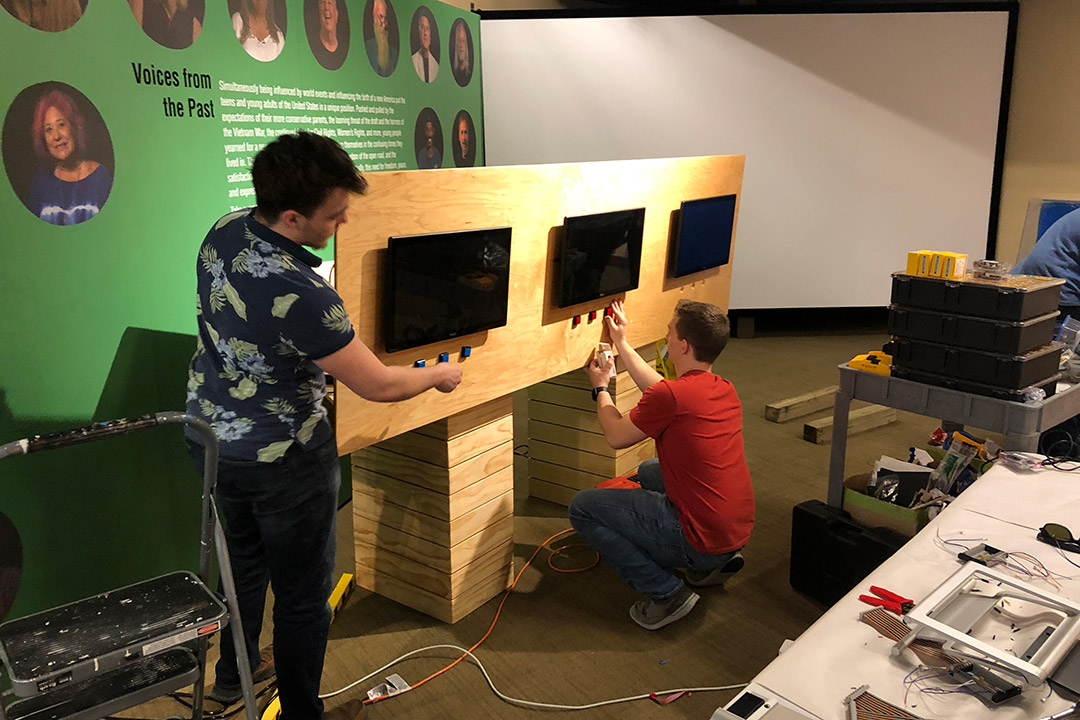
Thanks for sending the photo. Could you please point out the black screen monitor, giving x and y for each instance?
(601, 255)
(445, 285)
(704, 237)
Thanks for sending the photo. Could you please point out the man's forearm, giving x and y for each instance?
(407, 382)
(641, 372)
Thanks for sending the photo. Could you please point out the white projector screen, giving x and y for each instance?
(866, 135)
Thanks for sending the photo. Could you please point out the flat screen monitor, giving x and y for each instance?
(703, 240)
(445, 285)
(600, 255)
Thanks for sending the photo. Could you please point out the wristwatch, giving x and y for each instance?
(597, 390)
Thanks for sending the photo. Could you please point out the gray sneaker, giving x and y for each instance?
(719, 576)
(653, 615)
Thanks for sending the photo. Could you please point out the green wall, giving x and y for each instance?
(97, 319)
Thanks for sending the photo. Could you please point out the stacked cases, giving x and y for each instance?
(988, 337)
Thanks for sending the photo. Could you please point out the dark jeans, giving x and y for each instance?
(637, 532)
(279, 526)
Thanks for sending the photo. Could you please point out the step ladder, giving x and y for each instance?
(110, 652)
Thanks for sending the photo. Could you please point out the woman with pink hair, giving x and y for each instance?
(71, 188)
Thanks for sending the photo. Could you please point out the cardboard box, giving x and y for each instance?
(877, 513)
(948, 265)
(918, 262)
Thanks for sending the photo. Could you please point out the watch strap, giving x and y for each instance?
(597, 390)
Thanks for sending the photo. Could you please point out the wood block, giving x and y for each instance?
(369, 509)
(570, 478)
(580, 398)
(449, 611)
(438, 557)
(820, 432)
(386, 561)
(568, 437)
(584, 420)
(801, 405)
(441, 479)
(448, 453)
(578, 379)
(462, 422)
(624, 461)
(429, 502)
(551, 492)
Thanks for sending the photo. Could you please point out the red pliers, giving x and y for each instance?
(888, 600)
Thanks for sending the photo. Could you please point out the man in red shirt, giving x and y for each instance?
(695, 507)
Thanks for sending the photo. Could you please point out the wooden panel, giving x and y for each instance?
(568, 437)
(567, 417)
(551, 492)
(433, 477)
(383, 560)
(429, 502)
(538, 341)
(801, 405)
(566, 477)
(820, 432)
(449, 611)
(467, 420)
(460, 448)
(369, 510)
(624, 462)
(581, 398)
(578, 379)
(436, 556)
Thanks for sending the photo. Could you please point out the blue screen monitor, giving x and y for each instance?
(703, 240)
(445, 285)
(600, 255)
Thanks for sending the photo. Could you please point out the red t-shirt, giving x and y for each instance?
(696, 421)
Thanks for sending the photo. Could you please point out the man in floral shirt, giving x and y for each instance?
(269, 327)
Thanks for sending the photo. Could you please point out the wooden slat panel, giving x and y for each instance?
(450, 427)
(584, 420)
(580, 398)
(438, 557)
(433, 477)
(429, 502)
(551, 492)
(624, 462)
(538, 340)
(559, 475)
(461, 448)
(468, 564)
(449, 611)
(368, 509)
(578, 379)
(568, 437)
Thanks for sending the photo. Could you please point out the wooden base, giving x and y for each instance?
(567, 449)
(433, 513)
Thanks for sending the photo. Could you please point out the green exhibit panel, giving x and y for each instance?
(128, 128)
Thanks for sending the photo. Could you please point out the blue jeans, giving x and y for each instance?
(637, 532)
(279, 525)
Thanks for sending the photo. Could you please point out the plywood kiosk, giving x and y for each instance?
(433, 476)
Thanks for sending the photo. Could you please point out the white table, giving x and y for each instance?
(838, 653)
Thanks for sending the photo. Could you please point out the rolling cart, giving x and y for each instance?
(110, 652)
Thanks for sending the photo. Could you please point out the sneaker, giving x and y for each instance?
(653, 615)
(719, 576)
(228, 694)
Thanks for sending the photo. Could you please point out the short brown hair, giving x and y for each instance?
(704, 326)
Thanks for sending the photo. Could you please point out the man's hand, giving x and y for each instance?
(617, 322)
(451, 379)
(599, 375)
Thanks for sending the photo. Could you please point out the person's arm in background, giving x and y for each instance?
(618, 429)
(364, 373)
(643, 374)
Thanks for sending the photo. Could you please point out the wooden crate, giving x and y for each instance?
(433, 513)
(567, 449)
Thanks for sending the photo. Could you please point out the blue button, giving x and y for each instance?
(444, 357)
(466, 351)
(419, 363)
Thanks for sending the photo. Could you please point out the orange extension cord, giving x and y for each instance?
(506, 595)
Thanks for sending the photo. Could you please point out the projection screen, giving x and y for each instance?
(866, 135)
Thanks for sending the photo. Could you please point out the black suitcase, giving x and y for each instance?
(831, 553)
(1015, 298)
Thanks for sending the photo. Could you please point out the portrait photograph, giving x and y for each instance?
(260, 26)
(47, 15)
(424, 43)
(461, 52)
(174, 24)
(428, 140)
(381, 39)
(463, 140)
(327, 25)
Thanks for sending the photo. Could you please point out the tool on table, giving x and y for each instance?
(888, 600)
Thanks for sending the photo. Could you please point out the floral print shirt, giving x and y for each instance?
(264, 316)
